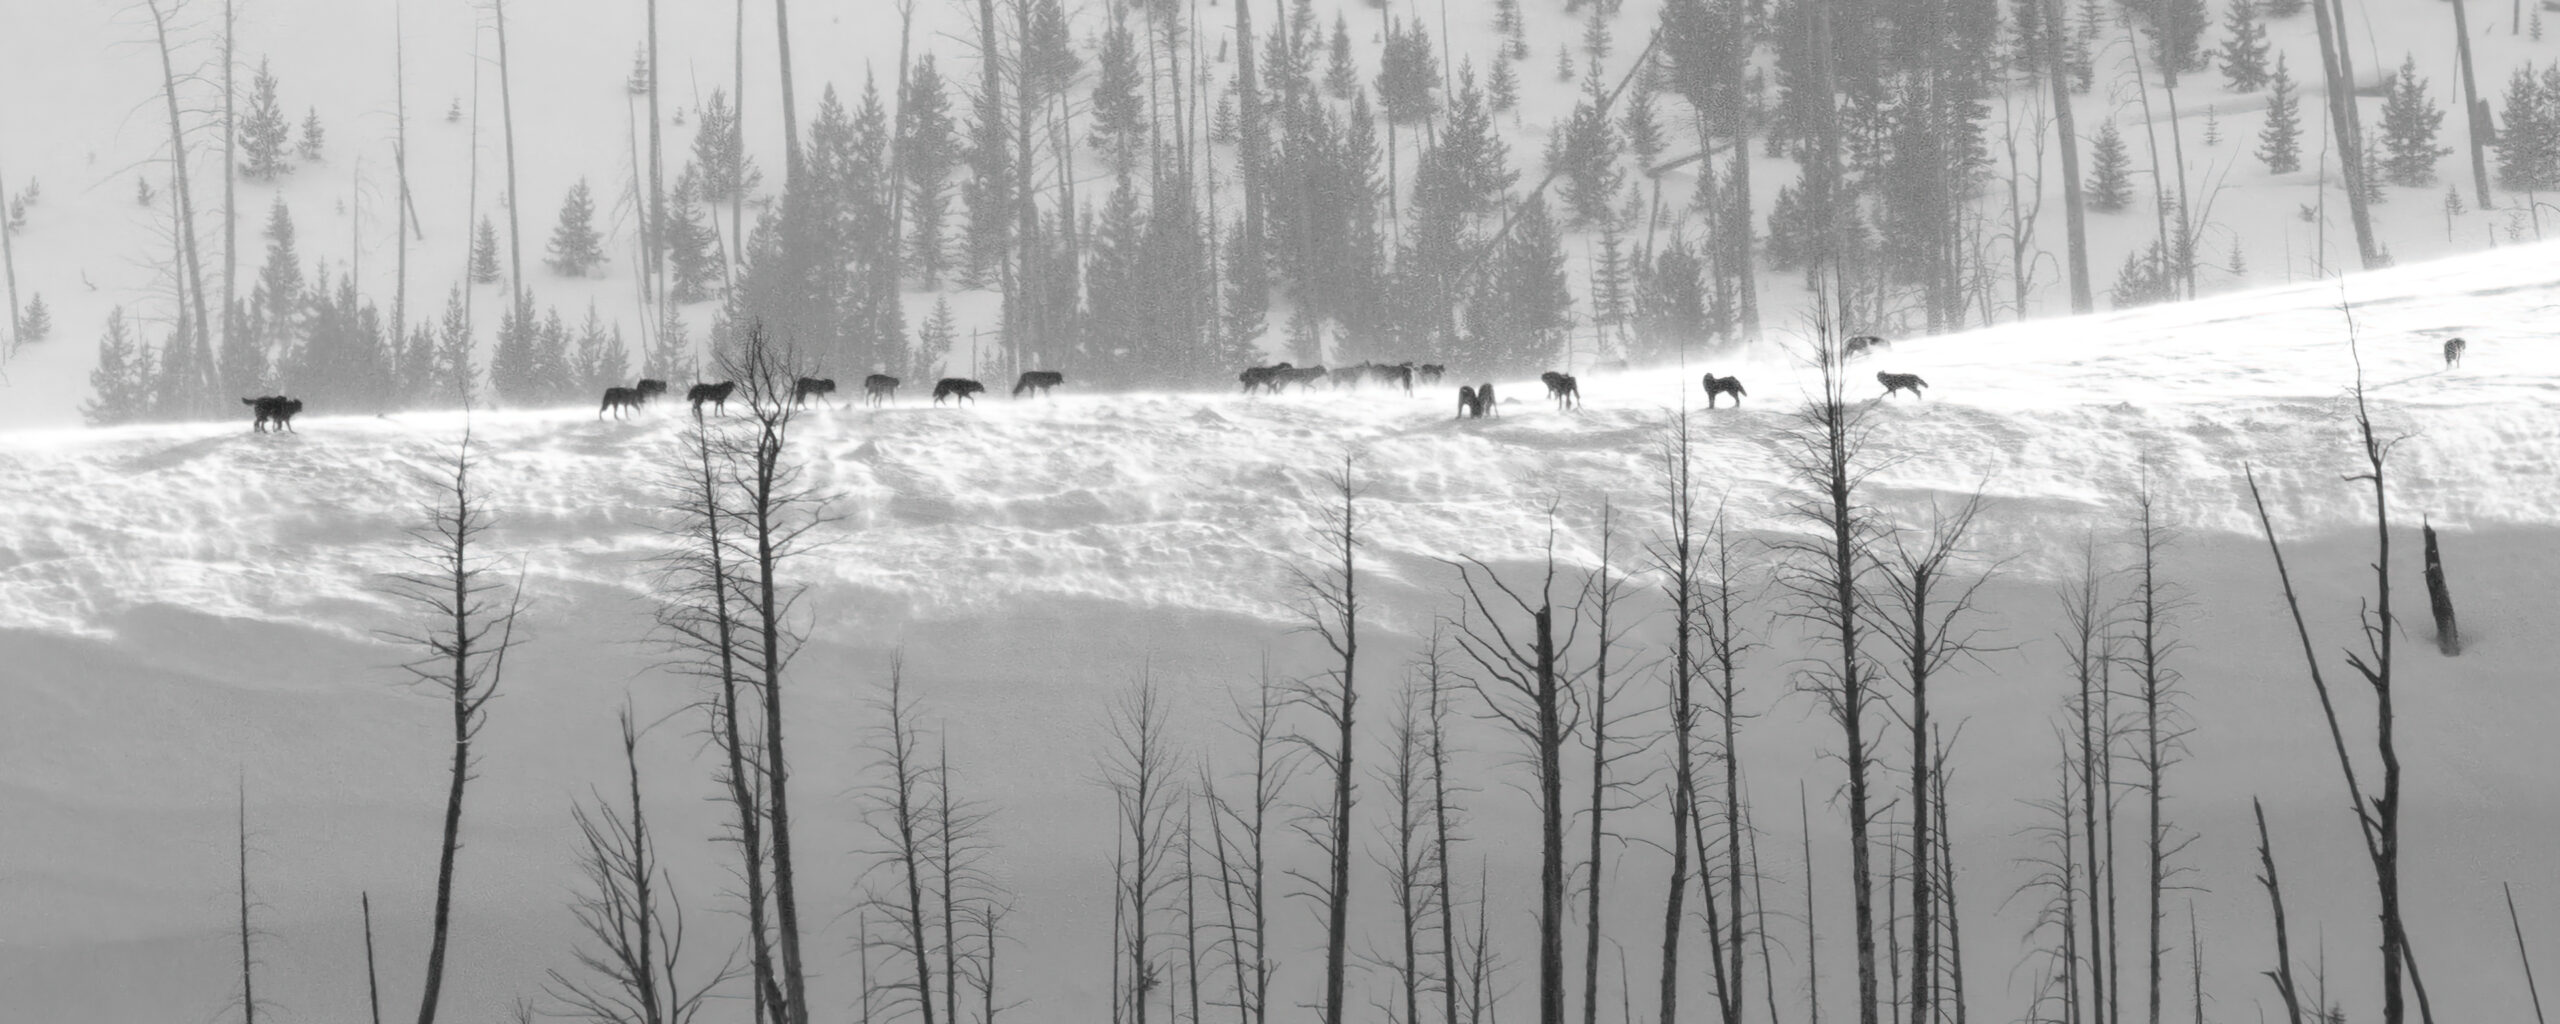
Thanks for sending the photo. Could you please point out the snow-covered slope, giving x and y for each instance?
(186, 607)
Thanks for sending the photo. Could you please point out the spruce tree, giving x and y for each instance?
(314, 137)
(2111, 176)
(638, 83)
(1340, 74)
(142, 194)
(934, 343)
(1587, 153)
(2212, 126)
(1408, 72)
(118, 393)
(1520, 326)
(1564, 63)
(2526, 143)
(1513, 27)
(575, 246)
(2409, 123)
(1595, 34)
(691, 258)
(242, 361)
(2244, 48)
(2280, 141)
(2026, 38)
(928, 155)
(601, 360)
(276, 300)
(513, 371)
(2177, 30)
(1224, 130)
(670, 354)
(35, 323)
(726, 174)
(456, 376)
(484, 253)
(1642, 126)
(264, 132)
(1503, 90)
(1119, 109)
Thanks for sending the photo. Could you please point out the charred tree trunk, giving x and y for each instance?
(2074, 210)
(516, 300)
(2339, 70)
(2475, 114)
(372, 980)
(2440, 598)
(791, 160)
(2282, 975)
(1332, 611)
(197, 336)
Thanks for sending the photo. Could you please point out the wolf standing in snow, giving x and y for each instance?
(1038, 380)
(2453, 352)
(275, 409)
(1723, 386)
(1893, 382)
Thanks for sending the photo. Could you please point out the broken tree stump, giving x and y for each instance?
(2448, 635)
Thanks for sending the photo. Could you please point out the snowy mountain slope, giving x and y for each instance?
(183, 607)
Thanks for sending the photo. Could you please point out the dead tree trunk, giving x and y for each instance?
(2339, 71)
(1332, 612)
(1443, 898)
(1603, 593)
(1140, 769)
(462, 658)
(1523, 686)
(2074, 211)
(898, 811)
(196, 338)
(516, 301)
(2439, 597)
(372, 980)
(790, 115)
(1677, 559)
(2282, 975)
(231, 181)
(248, 987)
(2475, 114)
(2085, 617)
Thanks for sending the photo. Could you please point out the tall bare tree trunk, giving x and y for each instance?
(516, 301)
(372, 981)
(654, 235)
(248, 987)
(2282, 976)
(2074, 211)
(230, 184)
(399, 164)
(1332, 610)
(2475, 115)
(2339, 70)
(790, 115)
(1677, 559)
(199, 338)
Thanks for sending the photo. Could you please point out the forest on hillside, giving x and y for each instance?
(1152, 194)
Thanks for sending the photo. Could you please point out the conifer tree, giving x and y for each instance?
(601, 360)
(1595, 34)
(1503, 90)
(1564, 63)
(1586, 153)
(2528, 153)
(2177, 30)
(242, 361)
(638, 83)
(2409, 123)
(690, 256)
(118, 392)
(484, 253)
(142, 194)
(35, 323)
(264, 132)
(2111, 177)
(276, 300)
(2244, 48)
(1520, 325)
(1223, 127)
(670, 352)
(575, 246)
(927, 156)
(726, 175)
(2212, 126)
(1340, 74)
(314, 137)
(2026, 38)
(1642, 126)
(934, 343)
(2280, 142)
(456, 377)
(1119, 110)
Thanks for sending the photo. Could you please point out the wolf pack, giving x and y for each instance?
(1476, 401)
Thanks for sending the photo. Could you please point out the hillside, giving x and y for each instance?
(183, 608)
(89, 247)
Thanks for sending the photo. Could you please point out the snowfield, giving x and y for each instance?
(188, 608)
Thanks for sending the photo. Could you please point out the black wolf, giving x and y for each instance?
(1038, 380)
(879, 388)
(1864, 343)
(1395, 377)
(1428, 373)
(1305, 377)
(1469, 406)
(807, 388)
(1893, 382)
(620, 400)
(275, 409)
(1266, 378)
(1484, 399)
(956, 388)
(1563, 388)
(1723, 386)
(2453, 352)
(715, 394)
(650, 387)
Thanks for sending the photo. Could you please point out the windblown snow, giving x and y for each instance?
(186, 607)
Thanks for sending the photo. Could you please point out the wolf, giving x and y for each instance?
(1893, 382)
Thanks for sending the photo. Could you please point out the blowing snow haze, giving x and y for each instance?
(1379, 513)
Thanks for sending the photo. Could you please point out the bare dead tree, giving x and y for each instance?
(1191, 910)
(1330, 605)
(1406, 858)
(372, 979)
(9, 276)
(1677, 559)
(1602, 593)
(2377, 813)
(1825, 448)
(635, 941)
(897, 798)
(699, 620)
(516, 299)
(2086, 620)
(467, 625)
(790, 114)
(1142, 768)
(2517, 923)
(1243, 872)
(2153, 607)
(1444, 812)
(958, 847)
(772, 513)
(248, 960)
(231, 178)
(2282, 975)
(1926, 597)
(1521, 679)
(1812, 930)
(2055, 874)
(1727, 642)
(2067, 138)
(194, 332)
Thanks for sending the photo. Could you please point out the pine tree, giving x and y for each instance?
(453, 111)
(2453, 207)
(638, 83)
(2526, 145)
(2533, 28)
(1513, 28)
(142, 194)
(1224, 130)
(2212, 126)
(670, 353)
(2409, 123)
(276, 300)
(2177, 29)
(35, 323)
(313, 137)
(1587, 152)
(1520, 326)
(264, 132)
(575, 246)
(601, 360)
(1595, 34)
(1503, 90)
(118, 392)
(484, 253)
(1642, 127)
(513, 364)
(934, 343)
(2280, 142)
(1119, 111)
(1408, 72)
(456, 378)
(2111, 176)
(2244, 48)
(690, 255)
(1340, 75)
(2373, 176)
(1612, 300)
(242, 361)
(1564, 63)
(2026, 38)
(726, 175)
(928, 155)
